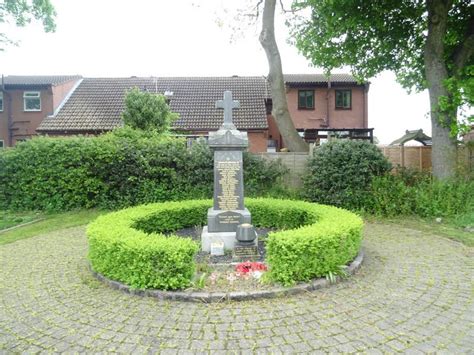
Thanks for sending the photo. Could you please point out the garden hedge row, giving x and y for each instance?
(131, 245)
(115, 170)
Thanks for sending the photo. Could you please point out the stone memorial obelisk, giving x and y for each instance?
(228, 211)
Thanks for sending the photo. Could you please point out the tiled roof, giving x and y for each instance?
(319, 78)
(97, 103)
(37, 80)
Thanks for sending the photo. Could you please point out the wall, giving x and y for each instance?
(24, 123)
(257, 141)
(356, 117)
(296, 162)
(412, 157)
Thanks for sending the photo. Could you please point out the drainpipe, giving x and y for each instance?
(327, 103)
(9, 112)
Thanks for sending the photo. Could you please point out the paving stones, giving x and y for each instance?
(412, 294)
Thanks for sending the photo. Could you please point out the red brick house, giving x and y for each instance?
(315, 103)
(26, 100)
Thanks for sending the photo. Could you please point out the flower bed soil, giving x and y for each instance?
(205, 257)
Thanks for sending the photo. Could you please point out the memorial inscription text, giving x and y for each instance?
(228, 200)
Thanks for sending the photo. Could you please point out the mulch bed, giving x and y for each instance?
(205, 257)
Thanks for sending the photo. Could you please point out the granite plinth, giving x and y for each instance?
(245, 250)
(207, 238)
(226, 221)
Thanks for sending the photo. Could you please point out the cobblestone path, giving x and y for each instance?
(414, 293)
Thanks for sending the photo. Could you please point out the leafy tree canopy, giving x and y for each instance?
(147, 111)
(22, 12)
(372, 36)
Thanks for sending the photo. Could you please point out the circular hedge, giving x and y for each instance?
(133, 245)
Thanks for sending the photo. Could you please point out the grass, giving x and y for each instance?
(452, 228)
(50, 223)
(9, 219)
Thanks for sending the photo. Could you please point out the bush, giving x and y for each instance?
(340, 173)
(130, 245)
(147, 111)
(123, 168)
(421, 195)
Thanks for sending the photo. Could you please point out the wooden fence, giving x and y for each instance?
(407, 156)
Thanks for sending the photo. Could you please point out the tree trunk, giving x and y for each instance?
(444, 149)
(280, 111)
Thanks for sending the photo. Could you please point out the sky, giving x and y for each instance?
(119, 38)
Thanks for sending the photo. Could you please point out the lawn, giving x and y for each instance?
(457, 228)
(452, 228)
(49, 223)
(9, 219)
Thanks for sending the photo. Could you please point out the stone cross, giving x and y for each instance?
(228, 104)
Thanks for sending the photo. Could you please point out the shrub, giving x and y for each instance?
(142, 260)
(147, 111)
(123, 168)
(421, 195)
(341, 171)
(130, 245)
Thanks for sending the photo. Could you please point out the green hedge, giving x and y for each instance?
(421, 195)
(341, 171)
(130, 245)
(115, 170)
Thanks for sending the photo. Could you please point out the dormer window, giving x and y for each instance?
(306, 99)
(32, 101)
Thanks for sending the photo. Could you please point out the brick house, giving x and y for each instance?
(26, 100)
(315, 103)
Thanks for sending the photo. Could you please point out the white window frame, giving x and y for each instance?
(1, 99)
(31, 95)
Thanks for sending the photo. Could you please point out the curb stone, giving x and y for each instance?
(215, 297)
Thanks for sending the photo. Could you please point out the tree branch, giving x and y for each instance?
(465, 49)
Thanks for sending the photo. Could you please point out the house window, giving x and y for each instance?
(1, 102)
(343, 99)
(2, 144)
(306, 99)
(32, 101)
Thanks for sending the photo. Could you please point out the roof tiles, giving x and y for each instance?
(97, 103)
(38, 80)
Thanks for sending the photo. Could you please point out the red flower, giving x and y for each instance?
(248, 266)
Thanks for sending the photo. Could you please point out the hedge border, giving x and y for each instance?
(216, 297)
(314, 240)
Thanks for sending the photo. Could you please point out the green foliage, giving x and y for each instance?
(341, 171)
(22, 12)
(419, 194)
(329, 238)
(122, 168)
(373, 36)
(143, 260)
(147, 111)
(261, 175)
(131, 246)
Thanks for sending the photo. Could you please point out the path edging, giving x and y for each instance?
(212, 297)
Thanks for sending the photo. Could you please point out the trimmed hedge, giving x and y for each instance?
(131, 246)
(115, 170)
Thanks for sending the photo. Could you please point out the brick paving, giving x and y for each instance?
(414, 293)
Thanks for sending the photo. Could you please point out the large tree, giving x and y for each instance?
(427, 43)
(22, 12)
(275, 78)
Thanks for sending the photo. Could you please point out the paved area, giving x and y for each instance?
(413, 294)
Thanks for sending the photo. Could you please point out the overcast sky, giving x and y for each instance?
(179, 38)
